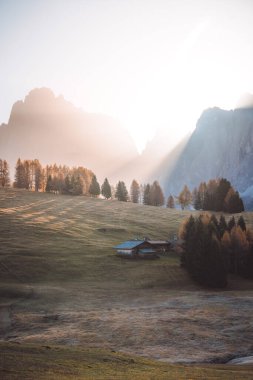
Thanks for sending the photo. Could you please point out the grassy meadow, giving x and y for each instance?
(67, 300)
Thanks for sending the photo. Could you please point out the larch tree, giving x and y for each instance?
(38, 175)
(156, 193)
(202, 255)
(184, 197)
(135, 192)
(4, 174)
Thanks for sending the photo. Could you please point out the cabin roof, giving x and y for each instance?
(130, 244)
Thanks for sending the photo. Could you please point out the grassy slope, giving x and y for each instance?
(57, 239)
(54, 256)
(54, 362)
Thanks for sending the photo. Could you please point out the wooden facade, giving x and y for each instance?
(148, 249)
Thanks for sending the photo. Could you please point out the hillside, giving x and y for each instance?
(52, 130)
(61, 283)
(220, 146)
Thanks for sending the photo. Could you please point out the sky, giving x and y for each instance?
(153, 65)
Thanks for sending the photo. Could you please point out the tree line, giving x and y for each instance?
(215, 195)
(61, 179)
(214, 248)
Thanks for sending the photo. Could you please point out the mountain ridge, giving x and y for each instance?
(51, 129)
(220, 146)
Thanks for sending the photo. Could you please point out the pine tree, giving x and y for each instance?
(202, 255)
(67, 189)
(241, 223)
(38, 177)
(27, 175)
(77, 185)
(147, 195)
(202, 190)
(214, 224)
(94, 189)
(170, 202)
(196, 200)
(106, 189)
(240, 248)
(121, 192)
(222, 225)
(226, 246)
(4, 174)
(231, 223)
(156, 194)
(49, 185)
(223, 187)
(19, 175)
(187, 234)
(135, 191)
(233, 203)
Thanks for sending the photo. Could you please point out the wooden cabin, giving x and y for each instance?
(148, 249)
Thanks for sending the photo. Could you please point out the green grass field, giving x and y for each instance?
(62, 286)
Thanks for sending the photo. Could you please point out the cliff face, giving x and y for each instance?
(220, 146)
(53, 130)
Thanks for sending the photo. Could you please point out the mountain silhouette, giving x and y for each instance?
(51, 129)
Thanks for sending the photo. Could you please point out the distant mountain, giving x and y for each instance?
(51, 129)
(220, 146)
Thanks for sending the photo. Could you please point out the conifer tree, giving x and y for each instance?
(20, 175)
(233, 203)
(222, 225)
(222, 189)
(184, 197)
(156, 194)
(106, 190)
(241, 223)
(4, 174)
(67, 185)
(27, 175)
(135, 191)
(231, 223)
(121, 192)
(202, 252)
(170, 202)
(147, 195)
(94, 189)
(196, 200)
(240, 248)
(77, 185)
(49, 185)
(38, 175)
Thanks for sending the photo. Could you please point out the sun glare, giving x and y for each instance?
(154, 65)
